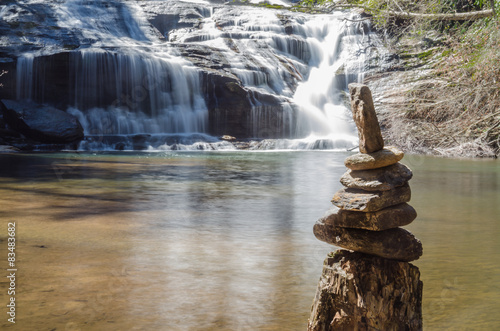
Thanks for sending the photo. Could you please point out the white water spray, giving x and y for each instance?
(322, 96)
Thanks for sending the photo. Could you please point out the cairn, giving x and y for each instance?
(369, 284)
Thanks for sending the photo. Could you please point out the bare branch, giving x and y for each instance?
(473, 15)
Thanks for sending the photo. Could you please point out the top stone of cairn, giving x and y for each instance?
(363, 113)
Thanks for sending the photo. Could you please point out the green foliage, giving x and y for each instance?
(460, 5)
(486, 3)
(312, 3)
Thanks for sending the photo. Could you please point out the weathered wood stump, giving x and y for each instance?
(371, 287)
(363, 292)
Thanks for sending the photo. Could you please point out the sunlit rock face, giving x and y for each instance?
(174, 67)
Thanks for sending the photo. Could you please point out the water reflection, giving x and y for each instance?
(223, 241)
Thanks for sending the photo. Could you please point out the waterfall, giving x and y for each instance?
(24, 77)
(159, 72)
(322, 96)
(144, 94)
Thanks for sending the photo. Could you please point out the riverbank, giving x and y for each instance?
(441, 94)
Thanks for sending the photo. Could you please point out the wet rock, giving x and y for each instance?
(383, 158)
(380, 179)
(396, 244)
(363, 113)
(227, 138)
(170, 16)
(8, 149)
(140, 141)
(359, 200)
(388, 218)
(42, 123)
(362, 292)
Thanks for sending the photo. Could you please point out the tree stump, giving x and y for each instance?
(358, 291)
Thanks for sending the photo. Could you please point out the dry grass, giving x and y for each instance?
(464, 104)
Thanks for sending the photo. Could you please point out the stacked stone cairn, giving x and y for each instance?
(369, 285)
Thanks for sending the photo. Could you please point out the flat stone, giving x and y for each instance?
(380, 179)
(396, 244)
(359, 200)
(384, 219)
(363, 113)
(364, 292)
(383, 158)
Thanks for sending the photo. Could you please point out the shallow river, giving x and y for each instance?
(223, 240)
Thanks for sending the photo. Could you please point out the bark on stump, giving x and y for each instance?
(357, 291)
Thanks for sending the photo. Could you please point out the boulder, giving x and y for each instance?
(8, 149)
(359, 200)
(396, 244)
(384, 219)
(383, 158)
(363, 113)
(362, 292)
(380, 179)
(42, 123)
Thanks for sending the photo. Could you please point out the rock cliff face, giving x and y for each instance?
(252, 70)
(132, 67)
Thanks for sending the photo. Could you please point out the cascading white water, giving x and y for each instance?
(151, 94)
(125, 80)
(24, 86)
(321, 97)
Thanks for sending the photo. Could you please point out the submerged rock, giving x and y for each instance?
(359, 200)
(384, 219)
(42, 123)
(396, 244)
(380, 179)
(383, 158)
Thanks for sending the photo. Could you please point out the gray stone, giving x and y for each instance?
(397, 244)
(383, 158)
(8, 149)
(384, 219)
(42, 123)
(359, 200)
(362, 292)
(380, 179)
(363, 113)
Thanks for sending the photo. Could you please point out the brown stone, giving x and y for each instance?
(397, 244)
(383, 158)
(384, 219)
(363, 292)
(359, 200)
(363, 113)
(380, 179)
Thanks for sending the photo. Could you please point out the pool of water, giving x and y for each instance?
(223, 240)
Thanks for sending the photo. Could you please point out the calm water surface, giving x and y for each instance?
(223, 240)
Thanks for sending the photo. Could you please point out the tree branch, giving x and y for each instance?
(473, 15)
